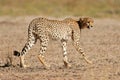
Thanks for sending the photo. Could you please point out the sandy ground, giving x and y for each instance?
(101, 44)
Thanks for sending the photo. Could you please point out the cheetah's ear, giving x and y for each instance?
(88, 19)
(81, 19)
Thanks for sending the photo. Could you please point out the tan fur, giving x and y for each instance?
(45, 29)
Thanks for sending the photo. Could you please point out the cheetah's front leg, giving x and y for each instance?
(76, 43)
(83, 54)
(65, 58)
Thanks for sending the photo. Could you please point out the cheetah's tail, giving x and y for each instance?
(16, 53)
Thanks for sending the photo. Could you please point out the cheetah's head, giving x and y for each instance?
(85, 22)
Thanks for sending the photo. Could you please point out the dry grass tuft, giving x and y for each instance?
(9, 59)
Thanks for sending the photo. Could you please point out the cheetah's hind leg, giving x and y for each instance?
(22, 64)
(42, 60)
(44, 39)
(16, 53)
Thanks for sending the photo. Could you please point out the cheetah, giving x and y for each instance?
(44, 29)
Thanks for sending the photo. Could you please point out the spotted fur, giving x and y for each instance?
(44, 29)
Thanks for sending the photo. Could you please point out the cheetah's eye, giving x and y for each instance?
(88, 22)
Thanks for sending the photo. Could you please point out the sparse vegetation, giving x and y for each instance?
(101, 44)
(9, 60)
(95, 8)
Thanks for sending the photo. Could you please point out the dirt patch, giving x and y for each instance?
(101, 44)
